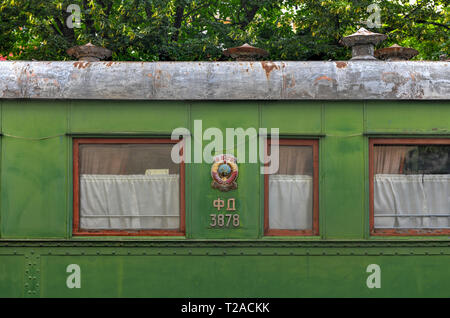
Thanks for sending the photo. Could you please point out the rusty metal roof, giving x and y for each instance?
(265, 80)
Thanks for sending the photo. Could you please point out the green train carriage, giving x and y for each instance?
(83, 138)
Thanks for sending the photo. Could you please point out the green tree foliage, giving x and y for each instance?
(179, 30)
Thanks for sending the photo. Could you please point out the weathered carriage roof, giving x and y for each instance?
(265, 80)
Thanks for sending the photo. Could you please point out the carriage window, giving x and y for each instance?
(410, 186)
(291, 194)
(127, 187)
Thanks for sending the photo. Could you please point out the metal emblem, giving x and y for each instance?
(224, 172)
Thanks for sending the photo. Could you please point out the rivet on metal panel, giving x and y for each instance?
(242, 253)
(174, 253)
(159, 253)
(144, 253)
(291, 253)
(207, 253)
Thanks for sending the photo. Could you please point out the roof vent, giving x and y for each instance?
(396, 53)
(89, 52)
(362, 43)
(245, 52)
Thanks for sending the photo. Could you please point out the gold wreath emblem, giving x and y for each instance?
(224, 181)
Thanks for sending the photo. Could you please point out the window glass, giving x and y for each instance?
(411, 186)
(128, 186)
(291, 190)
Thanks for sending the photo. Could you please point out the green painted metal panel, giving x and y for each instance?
(224, 115)
(136, 116)
(246, 276)
(36, 203)
(11, 275)
(408, 116)
(34, 170)
(342, 166)
(294, 117)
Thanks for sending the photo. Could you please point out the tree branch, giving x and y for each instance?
(206, 4)
(67, 32)
(88, 20)
(249, 13)
(177, 22)
(433, 23)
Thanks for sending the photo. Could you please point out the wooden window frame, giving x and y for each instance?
(76, 231)
(285, 232)
(398, 141)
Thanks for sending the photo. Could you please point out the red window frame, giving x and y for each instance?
(285, 232)
(76, 231)
(398, 141)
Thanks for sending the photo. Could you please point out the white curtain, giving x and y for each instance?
(129, 201)
(290, 202)
(397, 198)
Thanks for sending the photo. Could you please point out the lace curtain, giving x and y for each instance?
(408, 200)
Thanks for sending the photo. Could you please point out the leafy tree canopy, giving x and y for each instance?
(181, 30)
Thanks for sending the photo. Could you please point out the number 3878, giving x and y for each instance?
(224, 220)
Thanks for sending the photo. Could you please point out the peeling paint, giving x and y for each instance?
(305, 80)
(268, 67)
(81, 64)
(340, 64)
(323, 78)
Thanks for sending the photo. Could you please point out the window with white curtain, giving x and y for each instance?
(291, 194)
(127, 187)
(410, 186)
